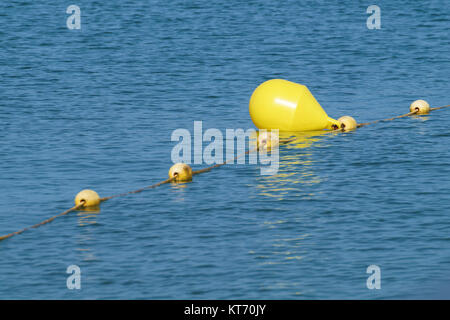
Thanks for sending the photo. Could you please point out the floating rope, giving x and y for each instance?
(79, 206)
(388, 119)
(84, 203)
(222, 164)
(437, 108)
(400, 116)
(138, 190)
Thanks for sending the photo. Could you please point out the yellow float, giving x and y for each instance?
(90, 198)
(347, 123)
(421, 106)
(288, 106)
(181, 172)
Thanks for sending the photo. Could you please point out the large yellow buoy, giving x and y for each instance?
(287, 106)
(89, 197)
(421, 106)
(181, 172)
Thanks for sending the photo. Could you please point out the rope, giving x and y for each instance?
(121, 195)
(437, 108)
(44, 222)
(221, 164)
(138, 190)
(398, 117)
(81, 205)
(388, 119)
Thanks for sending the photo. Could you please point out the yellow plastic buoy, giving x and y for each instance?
(90, 198)
(181, 171)
(421, 106)
(287, 106)
(347, 123)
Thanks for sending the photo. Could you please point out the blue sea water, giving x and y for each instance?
(96, 107)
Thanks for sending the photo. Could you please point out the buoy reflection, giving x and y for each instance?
(296, 165)
(88, 216)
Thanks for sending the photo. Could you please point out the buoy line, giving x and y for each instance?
(359, 125)
(224, 163)
(415, 110)
(79, 206)
(181, 172)
(138, 190)
(437, 108)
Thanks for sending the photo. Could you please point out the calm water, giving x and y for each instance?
(96, 107)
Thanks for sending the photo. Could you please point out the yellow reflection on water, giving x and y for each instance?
(284, 251)
(88, 216)
(422, 118)
(297, 163)
(295, 166)
(180, 190)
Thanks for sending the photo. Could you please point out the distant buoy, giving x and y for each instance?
(347, 123)
(421, 106)
(287, 106)
(90, 198)
(181, 172)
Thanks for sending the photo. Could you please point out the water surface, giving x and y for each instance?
(96, 107)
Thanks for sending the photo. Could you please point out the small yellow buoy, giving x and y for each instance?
(347, 123)
(421, 106)
(181, 171)
(89, 197)
(287, 106)
(267, 140)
